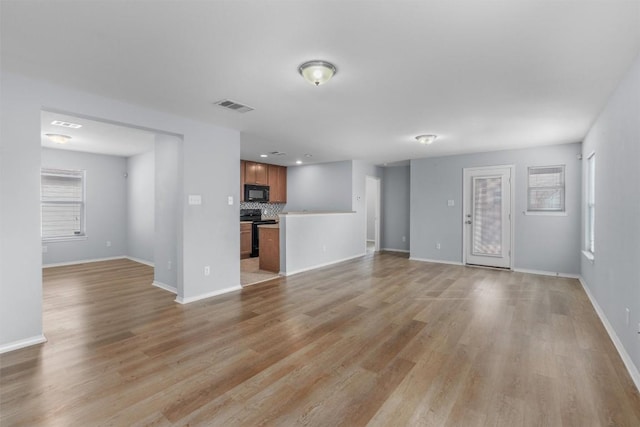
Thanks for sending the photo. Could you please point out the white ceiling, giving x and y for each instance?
(96, 136)
(482, 75)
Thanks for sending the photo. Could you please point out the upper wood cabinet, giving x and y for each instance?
(242, 166)
(277, 184)
(255, 173)
(262, 174)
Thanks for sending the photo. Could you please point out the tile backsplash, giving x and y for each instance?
(272, 209)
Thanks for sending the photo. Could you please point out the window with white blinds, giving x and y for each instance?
(62, 203)
(546, 189)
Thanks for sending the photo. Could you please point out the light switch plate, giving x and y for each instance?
(195, 199)
(450, 203)
(230, 200)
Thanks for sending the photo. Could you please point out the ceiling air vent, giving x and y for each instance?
(233, 105)
(277, 153)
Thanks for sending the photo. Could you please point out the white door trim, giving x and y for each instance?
(376, 226)
(465, 207)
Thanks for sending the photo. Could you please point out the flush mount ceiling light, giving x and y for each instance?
(57, 138)
(263, 155)
(426, 139)
(317, 72)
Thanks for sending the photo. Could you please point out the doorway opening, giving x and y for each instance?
(372, 213)
(488, 226)
(110, 191)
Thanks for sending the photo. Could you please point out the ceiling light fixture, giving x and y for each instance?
(317, 72)
(66, 124)
(308, 155)
(298, 162)
(426, 139)
(57, 138)
(263, 155)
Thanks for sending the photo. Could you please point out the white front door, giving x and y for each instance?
(487, 216)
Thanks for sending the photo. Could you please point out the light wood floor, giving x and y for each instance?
(379, 340)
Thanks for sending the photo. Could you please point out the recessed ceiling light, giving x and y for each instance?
(317, 72)
(263, 155)
(66, 124)
(57, 138)
(426, 139)
(298, 162)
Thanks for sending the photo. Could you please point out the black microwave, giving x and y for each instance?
(256, 193)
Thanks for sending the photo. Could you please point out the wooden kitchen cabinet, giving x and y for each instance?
(245, 239)
(269, 247)
(255, 173)
(242, 166)
(263, 174)
(277, 178)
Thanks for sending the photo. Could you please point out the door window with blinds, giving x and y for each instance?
(546, 189)
(62, 203)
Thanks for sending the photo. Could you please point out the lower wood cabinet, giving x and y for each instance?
(269, 248)
(245, 240)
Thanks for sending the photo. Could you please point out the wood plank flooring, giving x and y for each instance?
(380, 341)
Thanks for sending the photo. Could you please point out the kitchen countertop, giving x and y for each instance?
(246, 222)
(269, 226)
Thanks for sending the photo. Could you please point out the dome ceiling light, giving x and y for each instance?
(317, 72)
(57, 138)
(426, 139)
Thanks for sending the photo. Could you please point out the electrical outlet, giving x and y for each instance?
(404, 238)
(108, 243)
(207, 270)
(168, 265)
(324, 248)
(627, 314)
(438, 246)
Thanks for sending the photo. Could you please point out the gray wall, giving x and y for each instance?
(140, 206)
(168, 175)
(371, 209)
(208, 234)
(395, 208)
(322, 187)
(106, 201)
(544, 243)
(614, 277)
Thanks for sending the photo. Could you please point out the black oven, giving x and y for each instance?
(256, 193)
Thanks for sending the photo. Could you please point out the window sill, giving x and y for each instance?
(64, 239)
(588, 255)
(541, 213)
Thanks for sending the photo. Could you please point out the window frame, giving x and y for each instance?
(589, 208)
(74, 173)
(548, 212)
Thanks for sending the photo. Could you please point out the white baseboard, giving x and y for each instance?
(86, 261)
(437, 261)
(165, 287)
(547, 273)
(404, 251)
(188, 300)
(82, 261)
(16, 345)
(626, 359)
(141, 261)
(313, 267)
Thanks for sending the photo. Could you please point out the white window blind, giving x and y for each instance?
(62, 203)
(590, 205)
(546, 189)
